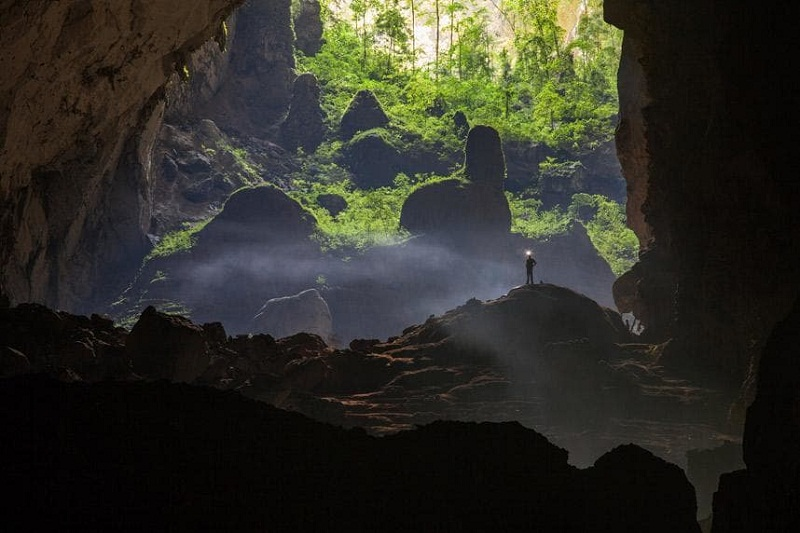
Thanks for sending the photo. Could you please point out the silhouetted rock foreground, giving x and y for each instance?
(161, 456)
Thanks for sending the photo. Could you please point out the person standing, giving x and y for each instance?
(530, 262)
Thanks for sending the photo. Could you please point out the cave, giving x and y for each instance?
(89, 98)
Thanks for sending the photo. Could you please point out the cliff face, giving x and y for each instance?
(81, 98)
(705, 140)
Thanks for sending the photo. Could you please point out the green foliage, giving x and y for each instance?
(372, 217)
(604, 220)
(177, 241)
(606, 228)
(543, 89)
(530, 220)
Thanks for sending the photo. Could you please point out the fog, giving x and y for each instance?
(375, 294)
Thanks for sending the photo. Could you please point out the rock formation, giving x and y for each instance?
(333, 203)
(363, 113)
(308, 27)
(257, 85)
(372, 158)
(304, 126)
(162, 346)
(766, 496)
(234, 463)
(484, 162)
(304, 312)
(460, 124)
(258, 215)
(464, 211)
(73, 166)
(705, 146)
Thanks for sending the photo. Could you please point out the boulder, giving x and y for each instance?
(457, 210)
(36, 339)
(372, 158)
(468, 211)
(333, 203)
(649, 493)
(305, 311)
(766, 496)
(304, 126)
(258, 215)
(164, 346)
(363, 113)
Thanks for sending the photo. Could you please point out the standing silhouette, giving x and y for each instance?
(529, 264)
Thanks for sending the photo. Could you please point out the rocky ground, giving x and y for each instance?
(545, 356)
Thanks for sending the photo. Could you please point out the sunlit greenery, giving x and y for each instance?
(536, 85)
(177, 241)
(372, 217)
(606, 227)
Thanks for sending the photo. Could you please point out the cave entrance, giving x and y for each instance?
(368, 105)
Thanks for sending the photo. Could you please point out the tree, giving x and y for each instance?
(391, 25)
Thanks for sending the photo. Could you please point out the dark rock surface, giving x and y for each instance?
(452, 209)
(155, 455)
(262, 215)
(163, 346)
(82, 99)
(721, 206)
(646, 486)
(372, 158)
(470, 211)
(257, 85)
(543, 355)
(461, 124)
(333, 203)
(484, 162)
(766, 495)
(304, 126)
(308, 27)
(363, 113)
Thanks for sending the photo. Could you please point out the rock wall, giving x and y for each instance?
(81, 98)
(705, 138)
(257, 87)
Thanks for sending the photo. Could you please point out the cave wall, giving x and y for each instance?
(81, 98)
(707, 119)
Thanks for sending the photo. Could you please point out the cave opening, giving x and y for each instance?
(328, 211)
